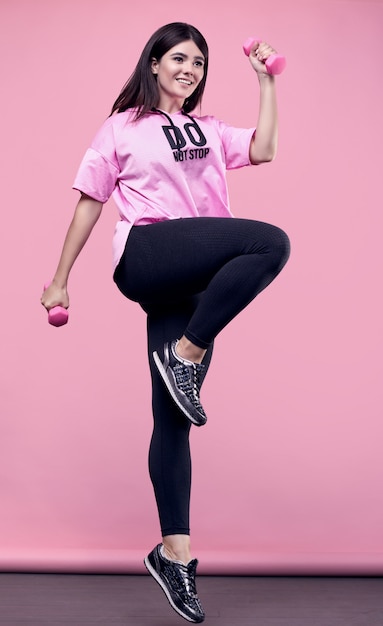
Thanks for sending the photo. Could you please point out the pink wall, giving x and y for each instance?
(288, 471)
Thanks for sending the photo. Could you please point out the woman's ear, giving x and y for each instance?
(154, 66)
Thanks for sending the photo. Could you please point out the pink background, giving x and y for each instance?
(288, 471)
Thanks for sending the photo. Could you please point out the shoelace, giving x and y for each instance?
(191, 586)
(189, 580)
(183, 578)
(188, 380)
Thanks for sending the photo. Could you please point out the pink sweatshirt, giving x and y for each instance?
(162, 167)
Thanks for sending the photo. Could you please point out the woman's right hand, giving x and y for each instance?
(53, 296)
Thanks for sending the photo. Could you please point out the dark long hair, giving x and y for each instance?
(141, 90)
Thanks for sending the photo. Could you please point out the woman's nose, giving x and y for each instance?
(188, 68)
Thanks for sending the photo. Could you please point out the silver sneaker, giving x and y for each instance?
(183, 381)
(178, 582)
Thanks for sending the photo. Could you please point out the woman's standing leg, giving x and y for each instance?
(170, 471)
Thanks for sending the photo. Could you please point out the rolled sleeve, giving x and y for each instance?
(97, 176)
(236, 145)
(99, 170)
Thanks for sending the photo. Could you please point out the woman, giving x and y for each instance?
(178, 251)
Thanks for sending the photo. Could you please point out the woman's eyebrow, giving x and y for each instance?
(184, 56)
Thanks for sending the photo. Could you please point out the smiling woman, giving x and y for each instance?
(192, 276)
(178, 73)
(141, 90)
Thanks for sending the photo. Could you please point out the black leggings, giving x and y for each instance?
(192, 277)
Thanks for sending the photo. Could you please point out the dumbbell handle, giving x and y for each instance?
(57, 315)
(275, 64)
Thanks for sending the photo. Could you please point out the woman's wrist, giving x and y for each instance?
(60, 281)
(265, 79)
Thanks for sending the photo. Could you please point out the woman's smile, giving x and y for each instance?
(183, 81)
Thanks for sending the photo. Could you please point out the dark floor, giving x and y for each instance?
(116, 600)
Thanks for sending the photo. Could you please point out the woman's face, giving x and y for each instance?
(179, 72)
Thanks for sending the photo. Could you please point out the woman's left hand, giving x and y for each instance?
(259, 54)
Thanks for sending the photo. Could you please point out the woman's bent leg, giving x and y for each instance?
(230, 260)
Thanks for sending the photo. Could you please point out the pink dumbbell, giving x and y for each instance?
(58, 315)
(275, 64)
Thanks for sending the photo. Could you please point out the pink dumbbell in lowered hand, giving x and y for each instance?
(275, 64)
(57, 315)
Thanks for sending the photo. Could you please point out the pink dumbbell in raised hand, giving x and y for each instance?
(57, 315)
(275, 64)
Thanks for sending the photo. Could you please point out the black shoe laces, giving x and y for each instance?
(188, 379)
(182, 579)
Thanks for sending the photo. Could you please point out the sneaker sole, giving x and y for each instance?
(164, 377)
(164, 588)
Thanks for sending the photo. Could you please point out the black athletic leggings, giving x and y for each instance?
(192, 277)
